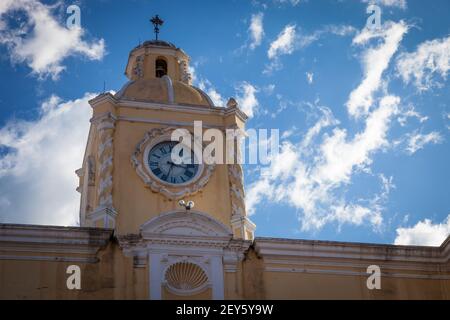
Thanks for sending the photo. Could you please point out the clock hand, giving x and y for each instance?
(168, 172)
(176, 165)
(170, 169)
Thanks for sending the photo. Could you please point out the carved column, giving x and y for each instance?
(184, 72)
(104, 215)
(138, 70)
(243, 228)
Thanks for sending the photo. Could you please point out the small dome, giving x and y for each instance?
(164, 90)
(157, 43)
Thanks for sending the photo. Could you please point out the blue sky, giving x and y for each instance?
(363, 113)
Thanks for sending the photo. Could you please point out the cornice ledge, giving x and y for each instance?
(134, 241)
(52, 243)
(132, 103)
(293, 249)
(101, 98)
(445, 249)
(235, 110)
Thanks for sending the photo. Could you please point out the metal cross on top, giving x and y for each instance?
(156, 20)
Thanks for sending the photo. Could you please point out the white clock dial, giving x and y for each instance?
(161, 164)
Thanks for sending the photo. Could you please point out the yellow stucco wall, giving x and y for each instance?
(136, 203)
(115, 277)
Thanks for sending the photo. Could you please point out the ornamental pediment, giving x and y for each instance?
(186, 223)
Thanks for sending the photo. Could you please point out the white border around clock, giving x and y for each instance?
(169, 190)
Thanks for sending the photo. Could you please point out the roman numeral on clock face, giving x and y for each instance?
(153, 164)
(188, 173)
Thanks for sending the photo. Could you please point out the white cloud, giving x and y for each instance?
(193, 74)
(388, 3)
(430, 58)
(269, 89)
(37, 171)
(305, 40)
(291, 2)
(375, 62)
(256, 30)
(42, 42)
(284, 43)
(290, 39)
(340, 30)
(341, 157)
(247, 98)
(209, 89)
(310, 77)
(308, 175)
(289, 133)
(320, 166)
(417, 141)
(424, 233)
(206, 86)
(448, 118)
(246, 93)
(410, 113)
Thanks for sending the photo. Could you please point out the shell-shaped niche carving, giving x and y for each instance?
(186, 277)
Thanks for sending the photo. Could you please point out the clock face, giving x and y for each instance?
(161, 165)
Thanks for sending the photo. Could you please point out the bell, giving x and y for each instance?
(160, 71)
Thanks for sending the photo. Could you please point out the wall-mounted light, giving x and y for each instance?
(187, 205)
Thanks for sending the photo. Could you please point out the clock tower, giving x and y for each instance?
(129, 183)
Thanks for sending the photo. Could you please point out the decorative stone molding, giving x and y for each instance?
(51, 243)
(185, 237)
(185, 277)
(120, 103)
(242, 226)
(341, 258)
(105, 126)
(181, 223)
(91, 171)
(236, 190)
(138, 69)
(172, 192)
(105, 211)
(107, 217)
(80, 175)
(186, 77)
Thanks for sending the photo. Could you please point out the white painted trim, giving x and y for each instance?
(190, 236)
(170, 92)
(268, 247)
(107, 214)
(171, 219)
(355, 273)
(307, 256)
(194, 291)
(49, 258)
(178, 108)
(167, 138)
(155, 276)
(218, 289)
(166, 122)
(51, 243)
(171, 191)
